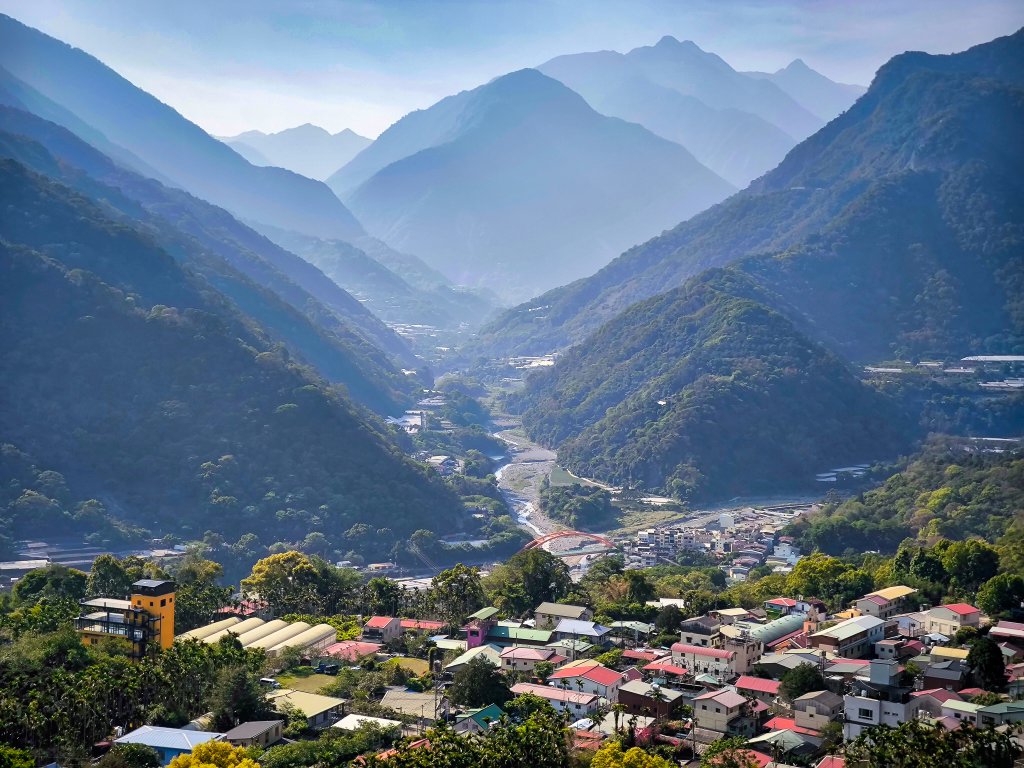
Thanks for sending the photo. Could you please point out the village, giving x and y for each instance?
(790, 678)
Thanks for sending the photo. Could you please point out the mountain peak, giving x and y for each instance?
(668, 43)
(798, 65)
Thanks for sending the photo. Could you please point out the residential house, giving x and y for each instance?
(640, 698)
(1010, 631)
(701, 630)
(480, 631)
(578, 704)
(701, 660)
(588, 676)
(949, 675)
(255, 733)
(948, 619)
(478, 720)
(168, 742)
(351, 650)
(523, 659)
(964, 711)
(878, 699)
(884, 603)
(758, 688)
(930, 701)
(382, 629)
(912, 624)
(1003, 713)
(722, 711)
(851, 639)
(816, 709)
(490, 652)
(730, 615)
(425, 707)
(421, 625)
(580, 629)
(320, 711)
(354, 722)
(547, 615)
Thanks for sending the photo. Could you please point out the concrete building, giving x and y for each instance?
(320, 711)
(722, 711)
(878, 699)
(382, 629)
(851, 639)
(590, 677)
(575, 703)
(520, 659)
(885, 603)
(145, 620)
(948, 619)
(640, 698)
(700, 660)
(547, 615)
(816, 709)
(256, 733)
(168, 742)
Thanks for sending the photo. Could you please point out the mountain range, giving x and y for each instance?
(896, 228)
(523, 148)
(153, 392)
(306, 149)
(178, 151)
(708, 360)
(739, 125)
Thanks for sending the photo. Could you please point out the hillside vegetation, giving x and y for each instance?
(194, 420)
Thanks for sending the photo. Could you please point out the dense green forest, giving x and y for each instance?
(950, 491)
(703, 392)
(897, 227)
(194, 420)
(577, 506)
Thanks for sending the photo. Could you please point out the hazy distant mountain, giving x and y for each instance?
(895, 229)
(292, 301)
(686, 68)
(177, 149)
(418, 130)
(738, 145)
(812, 90)
(528, 188)
(307, 149)
(738, 124)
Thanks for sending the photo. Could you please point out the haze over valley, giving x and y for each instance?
(438, 354)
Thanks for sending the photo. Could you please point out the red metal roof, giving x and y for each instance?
(789, 724)
(595, 673)
(422, 624)
(759, 684)
(666, 667)
(961, 609)
(379, 622)
(786, 601)
(699, 650)
(643, 655)
(351, 650)
(939, 694)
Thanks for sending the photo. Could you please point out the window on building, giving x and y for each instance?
(163, 602)
(865, 714)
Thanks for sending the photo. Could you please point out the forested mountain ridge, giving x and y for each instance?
(326, 326)
(706, 392)
(193, 421)
(177, 149)
(934, 137)
(524, 148)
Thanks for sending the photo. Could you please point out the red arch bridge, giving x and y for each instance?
(540, 541)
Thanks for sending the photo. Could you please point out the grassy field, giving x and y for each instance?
(633, 520)
(311, 683)
(416, 666)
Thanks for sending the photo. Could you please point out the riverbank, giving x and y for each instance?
(520, 481)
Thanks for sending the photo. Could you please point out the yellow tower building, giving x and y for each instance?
(146, 619)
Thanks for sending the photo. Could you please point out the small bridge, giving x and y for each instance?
(540, 541)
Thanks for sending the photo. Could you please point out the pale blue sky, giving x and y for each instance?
(231, 65)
